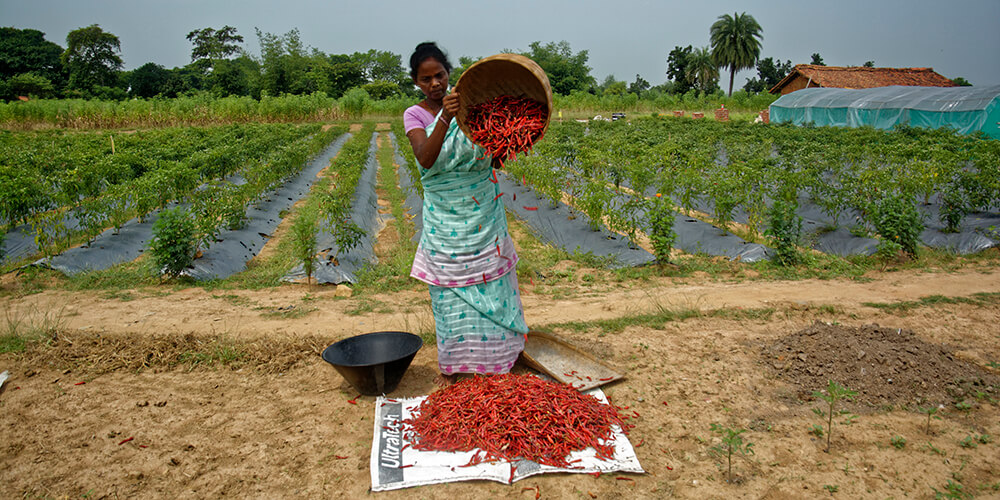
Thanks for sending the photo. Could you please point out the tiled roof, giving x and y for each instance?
(861, 77)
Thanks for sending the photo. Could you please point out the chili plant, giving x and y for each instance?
(173, 244)
(930, 411)
(833, 395)
(785, 230)
(661, 227)
(898, 223)
(304, 239)
(731, 443)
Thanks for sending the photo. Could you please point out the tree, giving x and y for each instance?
(29, 84)
(961, 82)
(210, 45)
(702, 71)
(677, 63)
(343, 74)
(735, 43)
(237, 76)
(148, 80)
(817, 60)
(91, 58)
(612, 86)
(639, 86)
(869, 64)
(27, 51)
(383, 66)
(283, 59)
(381, 89)
(566, 71)
(769, 73)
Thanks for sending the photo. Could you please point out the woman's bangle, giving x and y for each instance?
(446, 123)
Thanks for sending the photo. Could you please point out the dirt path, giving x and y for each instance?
(310, 310)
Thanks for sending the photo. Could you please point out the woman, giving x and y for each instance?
(465, 254)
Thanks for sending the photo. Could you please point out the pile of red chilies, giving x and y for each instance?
(506, 125)
(510, 417)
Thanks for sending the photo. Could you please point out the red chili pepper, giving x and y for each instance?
(355, 400)
(497, 196)
(506, 125)
(508, 417)
(475, 200)
(123, 441)
(670, 468)
(665, 403)
(79, 383)
(620, 478)
(143, 446)
(641, 441)
(531, 208)
(340, 457)
(595, 474)
(405, 466)
(605, 379)
(494, 179)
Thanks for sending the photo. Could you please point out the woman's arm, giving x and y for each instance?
(426, 149)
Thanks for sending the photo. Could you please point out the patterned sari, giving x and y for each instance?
(467, 258)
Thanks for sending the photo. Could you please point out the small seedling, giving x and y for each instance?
(952, 490)
(968, 442)
(832, 488)
(817, 430)
(930, 411)
(898, 442)
(984, 439)
(932, 448)
(834, 393)
(731, 442)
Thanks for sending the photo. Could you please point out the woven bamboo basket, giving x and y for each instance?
(502, 74)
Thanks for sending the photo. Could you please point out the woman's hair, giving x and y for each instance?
(424, 51)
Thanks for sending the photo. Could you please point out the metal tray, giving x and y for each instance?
(567, 363)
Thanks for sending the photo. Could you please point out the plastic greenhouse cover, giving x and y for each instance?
(895, 96)
(364, 214)
(965, 109)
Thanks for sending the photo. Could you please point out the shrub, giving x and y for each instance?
(173, 245)
(785, 230)
(661, 230)
(304, 239)
(897, 222)
(355, 102)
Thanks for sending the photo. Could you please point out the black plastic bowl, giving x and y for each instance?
(374, 363)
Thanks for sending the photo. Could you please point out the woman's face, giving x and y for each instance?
(432, 79)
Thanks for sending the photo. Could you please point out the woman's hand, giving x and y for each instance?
(450, 105)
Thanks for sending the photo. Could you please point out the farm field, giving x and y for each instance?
(125, 385)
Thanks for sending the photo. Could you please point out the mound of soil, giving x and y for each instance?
(886, 366)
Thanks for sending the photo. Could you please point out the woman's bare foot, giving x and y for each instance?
(443, 380)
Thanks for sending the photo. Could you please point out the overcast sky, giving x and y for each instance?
(623, 37)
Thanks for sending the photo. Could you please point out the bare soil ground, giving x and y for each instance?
(164, 393)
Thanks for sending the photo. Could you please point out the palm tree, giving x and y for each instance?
(736, 43)
(702, 72)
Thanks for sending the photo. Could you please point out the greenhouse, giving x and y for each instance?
(965, 109)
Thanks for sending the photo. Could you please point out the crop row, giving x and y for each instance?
(720, 168)
(70, 185)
